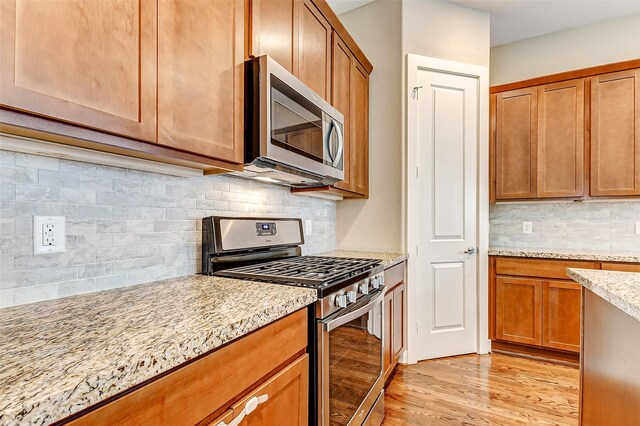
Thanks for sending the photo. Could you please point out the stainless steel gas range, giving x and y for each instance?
(345, 324)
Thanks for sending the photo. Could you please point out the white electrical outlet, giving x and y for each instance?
(527, 227)
(48, 234)
(308, 227)
(638, 228)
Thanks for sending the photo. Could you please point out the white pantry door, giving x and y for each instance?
(446, 184)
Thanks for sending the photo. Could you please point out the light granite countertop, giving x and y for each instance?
(61, 356)
(621, 289)
(541, 253)
(388, 259)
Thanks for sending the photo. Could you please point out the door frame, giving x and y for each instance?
(481, 73)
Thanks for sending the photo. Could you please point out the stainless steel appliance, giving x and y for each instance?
(292, 136)
(345, 324)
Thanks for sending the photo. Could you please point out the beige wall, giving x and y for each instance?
(376, 223)
(445, 31)
(602, 43)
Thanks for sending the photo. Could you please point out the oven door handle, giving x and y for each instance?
(350, 316)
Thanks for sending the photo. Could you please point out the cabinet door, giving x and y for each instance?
(387, 355)
(516, 144)
(287, 402)
(615, 134)
(314, 49)
(561, 139)
(519, 310)
(88, 63)
(397, 341)
(274, 31)
(200, 77)
(341, 74)
(360, 130)
(561, 316)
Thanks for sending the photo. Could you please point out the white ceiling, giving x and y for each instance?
(514, 20)
(343, 6)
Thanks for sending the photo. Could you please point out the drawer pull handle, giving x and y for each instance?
(249, 408)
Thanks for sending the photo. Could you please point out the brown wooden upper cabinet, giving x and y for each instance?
(539, 142)
(200, 77)
(87, 63)
(516, 144)
(350, 95)
(575, 137)
(615, 134)
(274, 31)
(297, 36)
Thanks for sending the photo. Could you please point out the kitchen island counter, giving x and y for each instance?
(61, 356)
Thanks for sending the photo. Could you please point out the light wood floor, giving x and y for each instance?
(482, 390)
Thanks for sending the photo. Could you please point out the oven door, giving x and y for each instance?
(350, 362)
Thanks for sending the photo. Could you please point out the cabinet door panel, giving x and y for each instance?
(360, 130)
(561, 139)
(91, 63)
(200, 105)
(387, 355)
(314, 49)
(341, 72)
(519, 310)
(615, 134)
(516, 144)
(288, 398)
(274, 31)
(561, 316)
(397, 344)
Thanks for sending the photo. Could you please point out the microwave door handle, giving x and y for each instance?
(343, 319)
(329, 144)
(338, 156)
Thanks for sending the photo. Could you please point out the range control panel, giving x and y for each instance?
(265, 229)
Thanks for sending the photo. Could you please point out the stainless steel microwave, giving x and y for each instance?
(292, 135)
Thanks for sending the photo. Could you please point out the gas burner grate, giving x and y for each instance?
(311, 271)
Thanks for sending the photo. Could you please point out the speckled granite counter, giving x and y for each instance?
(61, 356)
(621, 289)
(388, 258)
(599, 256)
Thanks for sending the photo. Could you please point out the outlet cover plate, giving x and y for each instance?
(48, 234)
(308, 227)
(527, 227)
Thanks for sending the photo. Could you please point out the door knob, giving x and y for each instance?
(471, 250)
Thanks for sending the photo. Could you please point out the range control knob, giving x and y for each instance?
(375, 282)
(364, 287)
(351, 296)
(341, 301)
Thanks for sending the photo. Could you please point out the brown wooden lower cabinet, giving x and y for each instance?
(394, 318)
(561, 315)
(534, 304)
(216, 387)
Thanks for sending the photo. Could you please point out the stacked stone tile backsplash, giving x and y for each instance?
(606, 226)
(124, 227)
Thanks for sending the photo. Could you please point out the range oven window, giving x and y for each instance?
(355, 364)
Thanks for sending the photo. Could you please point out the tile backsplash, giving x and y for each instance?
(606, 226)
(123, 226)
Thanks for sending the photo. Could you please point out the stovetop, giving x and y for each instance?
(322, 273)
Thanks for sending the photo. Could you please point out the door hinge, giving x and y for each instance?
(417, 174)
(417, 250)
(417, 328)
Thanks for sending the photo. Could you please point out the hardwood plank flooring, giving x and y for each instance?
(491, 389)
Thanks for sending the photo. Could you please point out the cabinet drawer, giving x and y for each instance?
(625, 267)
(198, 390)
(539, 268)
(394, 275)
